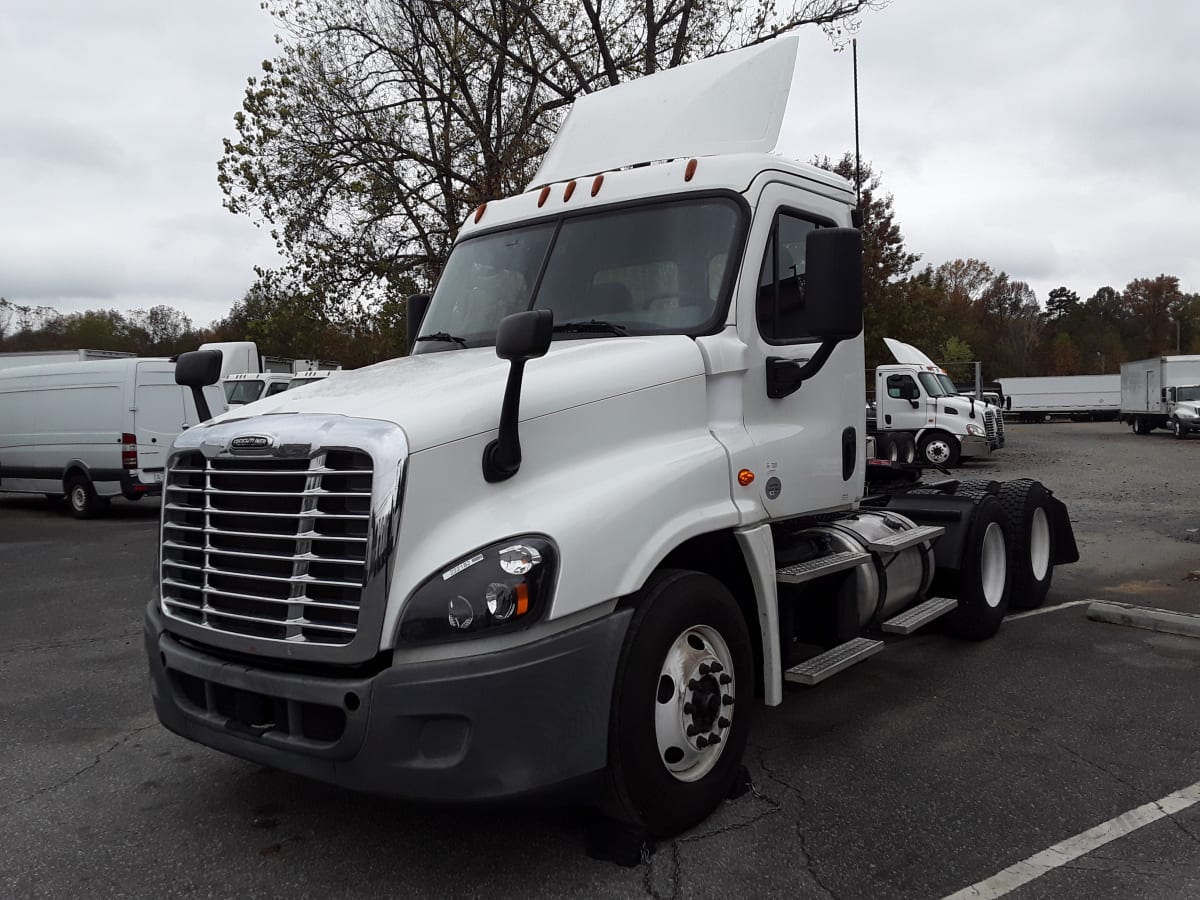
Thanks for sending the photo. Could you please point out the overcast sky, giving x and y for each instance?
(1057, 141)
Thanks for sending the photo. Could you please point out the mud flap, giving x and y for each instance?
(1065, 549)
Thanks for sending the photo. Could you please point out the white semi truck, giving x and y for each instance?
(918, 408)
(1161, 392)
(614, 502)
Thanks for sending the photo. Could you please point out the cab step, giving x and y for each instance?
(921, 614)
(902, 540)
(817, 568)
(843, 656)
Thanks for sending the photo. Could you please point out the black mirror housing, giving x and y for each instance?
(834, 283)
(198, 368)
(414, 315)
(909, 391)
(525, 335)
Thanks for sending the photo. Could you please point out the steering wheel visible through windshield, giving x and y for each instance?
(656, 268)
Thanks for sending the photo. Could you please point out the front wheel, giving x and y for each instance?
(939, 449)
(681, 704)
(1178, 430)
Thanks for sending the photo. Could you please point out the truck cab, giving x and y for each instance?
(1183, 409)
(614, 499)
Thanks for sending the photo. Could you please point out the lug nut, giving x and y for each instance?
(701, 742)
(703, 669)
(725, 679)
(692, 731)
(716, 667)
(687, 709)
(727, 700)
(723, 722)
(712, 739)
(693, 684)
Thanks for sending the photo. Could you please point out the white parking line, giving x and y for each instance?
(1071, 849)
(1047, 609)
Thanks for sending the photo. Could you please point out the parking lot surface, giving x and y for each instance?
(934, 766)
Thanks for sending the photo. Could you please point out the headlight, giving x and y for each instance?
(504, 587)
(974, 429)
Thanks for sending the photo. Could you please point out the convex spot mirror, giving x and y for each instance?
(833, 283)
(525, 335)
(198, 368)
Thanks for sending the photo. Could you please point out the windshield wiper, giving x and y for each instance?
(592, 325)
(444, 336)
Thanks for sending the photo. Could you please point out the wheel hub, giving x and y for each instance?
(695, 703)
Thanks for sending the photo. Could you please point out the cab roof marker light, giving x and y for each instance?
(569, 191)
(690, 170)
(596, 184)
(543, 196)
(479, 212)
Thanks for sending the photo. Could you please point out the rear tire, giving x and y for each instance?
(1030, 541)
(82, 497)
(660, 777)
(939, 449)
(885, 447)
(981, 584)
(906, 448)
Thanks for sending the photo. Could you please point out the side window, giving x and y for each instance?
(781, 309)
(277, 388)
(896, 385)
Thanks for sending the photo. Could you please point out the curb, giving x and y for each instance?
(1186, 624)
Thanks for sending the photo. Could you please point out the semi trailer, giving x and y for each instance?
(1078, 397)
(1161, 392)
(613, 503)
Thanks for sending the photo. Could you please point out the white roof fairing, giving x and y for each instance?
(732, 103)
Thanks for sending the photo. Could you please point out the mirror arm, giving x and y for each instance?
(502, 457)
(784, 376)
(202, 409)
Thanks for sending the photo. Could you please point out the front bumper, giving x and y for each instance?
(972, 446)
(484, 727)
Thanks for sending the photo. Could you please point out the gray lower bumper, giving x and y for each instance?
(971, 446)
(483, 727)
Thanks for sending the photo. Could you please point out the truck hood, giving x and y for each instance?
(441, 397)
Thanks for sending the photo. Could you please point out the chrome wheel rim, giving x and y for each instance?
(79, 497)
(992, 565)
(694, 703)
(937, 451)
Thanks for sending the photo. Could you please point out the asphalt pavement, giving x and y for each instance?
(933, 766)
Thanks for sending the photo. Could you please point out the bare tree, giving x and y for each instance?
(382, 123)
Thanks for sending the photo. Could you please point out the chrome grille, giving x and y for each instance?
(1000, 425)
(989, 424)
(268, 547)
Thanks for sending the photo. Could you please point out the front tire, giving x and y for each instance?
(939, 449)
(1178, 430)
(685, 676)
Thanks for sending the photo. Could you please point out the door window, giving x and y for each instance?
(900, 385)
(781, 311)
(277, 388)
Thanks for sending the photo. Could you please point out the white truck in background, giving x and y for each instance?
(1161, 392)
(46, 357)
(1078, 397)
(605, 510)
(919, 414)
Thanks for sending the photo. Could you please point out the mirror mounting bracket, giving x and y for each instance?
(784, 376)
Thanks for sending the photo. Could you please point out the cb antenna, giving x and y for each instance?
(857, 155)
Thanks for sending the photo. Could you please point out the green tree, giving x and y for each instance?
(957, 350)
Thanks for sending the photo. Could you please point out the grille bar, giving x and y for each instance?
(287, 562)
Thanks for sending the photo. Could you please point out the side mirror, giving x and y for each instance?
(525, 335)
(908, 391)
(198, 369)
(833, 304)
(833, 295)
(415, 315)
(521, 337)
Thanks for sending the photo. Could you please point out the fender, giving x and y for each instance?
(759, 552)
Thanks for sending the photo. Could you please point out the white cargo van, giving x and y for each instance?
(90, 430)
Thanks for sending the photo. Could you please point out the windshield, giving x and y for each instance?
(1188, 393)
(933, 386)
(947, 385)
(243, 391)
(649, 269)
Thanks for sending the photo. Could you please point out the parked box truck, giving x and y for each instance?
(608, 505)
(1161, 392)
(1080, 397)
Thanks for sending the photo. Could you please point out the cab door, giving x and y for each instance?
(905, 403)
(807, 446)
